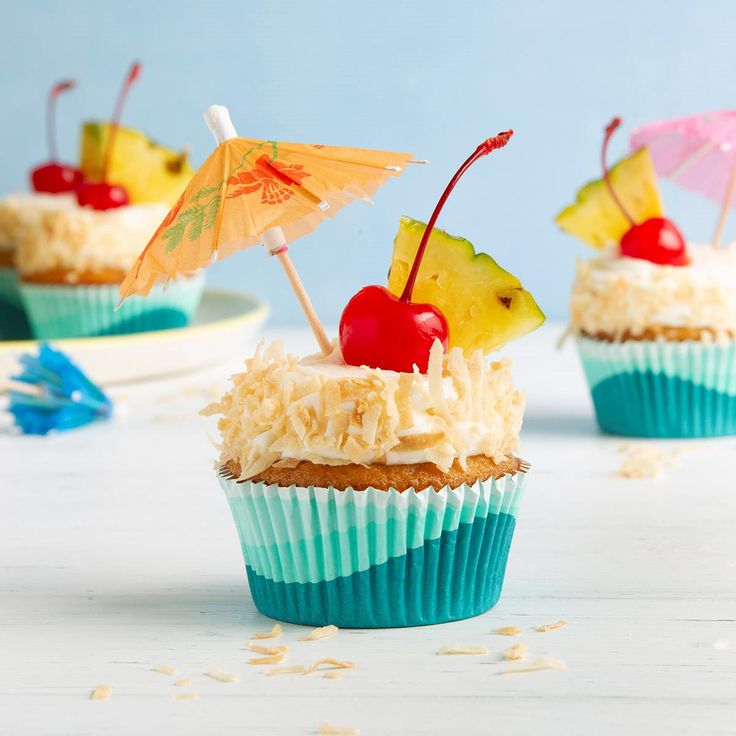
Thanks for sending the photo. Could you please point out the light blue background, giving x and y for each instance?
(434, 78)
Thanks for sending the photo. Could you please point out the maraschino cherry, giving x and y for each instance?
(657, 239)
(381, 330)
(99, 194)
(53, 177)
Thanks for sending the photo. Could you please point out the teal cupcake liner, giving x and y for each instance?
(662, 389)
(375, 559)
(57, 311)
(13, 322)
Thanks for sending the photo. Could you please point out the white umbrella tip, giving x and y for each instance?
(218, 121)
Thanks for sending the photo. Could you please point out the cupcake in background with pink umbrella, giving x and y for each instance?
(654, 316)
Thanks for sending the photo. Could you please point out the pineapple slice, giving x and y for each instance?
(484, 305)
(595, 218)
(149, 172)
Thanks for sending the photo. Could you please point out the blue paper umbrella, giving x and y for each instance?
(59, 395)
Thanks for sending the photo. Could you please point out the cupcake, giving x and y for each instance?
(379, 485)
(654, 317)
(71, 260)
(15, 211)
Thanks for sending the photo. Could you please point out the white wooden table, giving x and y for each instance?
(117, 553)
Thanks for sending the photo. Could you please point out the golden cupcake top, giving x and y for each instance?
(282, 410)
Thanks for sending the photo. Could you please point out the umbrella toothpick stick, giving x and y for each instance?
(219, 122)
(724, 209)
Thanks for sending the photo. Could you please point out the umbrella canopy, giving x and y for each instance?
(697, 152)
(52, 393)
(249, 187)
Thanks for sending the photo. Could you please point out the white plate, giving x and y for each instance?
(226, 323)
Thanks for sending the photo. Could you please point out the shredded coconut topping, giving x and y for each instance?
(617, 296)
(459, 650)
(321, 632)
(82, 239)
(273, 634)
(508, 631)
(17, 211)
(283, 410)
(101, 692)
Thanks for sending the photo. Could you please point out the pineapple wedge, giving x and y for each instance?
(149, 172)
(595, 218)
(484, 305)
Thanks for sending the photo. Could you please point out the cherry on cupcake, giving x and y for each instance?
(101, 195)
(381, 330)
(53, 177)
(657, 240)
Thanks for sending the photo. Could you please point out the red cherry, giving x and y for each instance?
(657, 240)
(53, 178)
(377, 329)
(381, 330)
(101, 196)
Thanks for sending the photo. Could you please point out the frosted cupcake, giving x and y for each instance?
(71, 262)
(379, 485)
(15, 210)
(655, 319)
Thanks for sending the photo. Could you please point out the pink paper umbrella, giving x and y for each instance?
(697, 152)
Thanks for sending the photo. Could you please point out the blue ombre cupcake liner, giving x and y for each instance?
(662, 389)
(13, 322)
(375, 559)
(88, 310)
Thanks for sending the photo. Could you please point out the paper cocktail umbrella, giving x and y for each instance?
(52, 393)
(250, 192)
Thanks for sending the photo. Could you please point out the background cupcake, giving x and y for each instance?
(655, 319)
(71, 260)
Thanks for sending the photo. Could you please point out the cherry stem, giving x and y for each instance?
(488, 145)
(609, 131)
(55, 91)
(133, 75)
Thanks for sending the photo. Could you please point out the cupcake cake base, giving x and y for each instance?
(375, 558)
(659, 388)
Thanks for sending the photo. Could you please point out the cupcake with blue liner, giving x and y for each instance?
(654, 317)
(378, 485)
(15, 211)
(71, 262)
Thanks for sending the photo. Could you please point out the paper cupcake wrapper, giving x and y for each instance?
(89, 310)
(368, 559)
(662, 389)
(13, 322)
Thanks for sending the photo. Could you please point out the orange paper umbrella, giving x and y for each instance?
(249, 192)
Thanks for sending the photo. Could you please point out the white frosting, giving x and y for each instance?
(320, 410)
(615, 295)
(78, 239)
(18, 210)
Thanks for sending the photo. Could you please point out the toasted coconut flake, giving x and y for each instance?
(542, 664)
(221, 676)
(551, 627)
(101, 692)
(646, 461)
(275, 632)
(333, 675)
(184, 682)
(327, 729)
(508, 631)
(260, 649)
(456, 650)
(321, 632)
(166, 669)
(329, 662)
(516, 652)
(294, 669)
(268, 659)
(185, 696)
